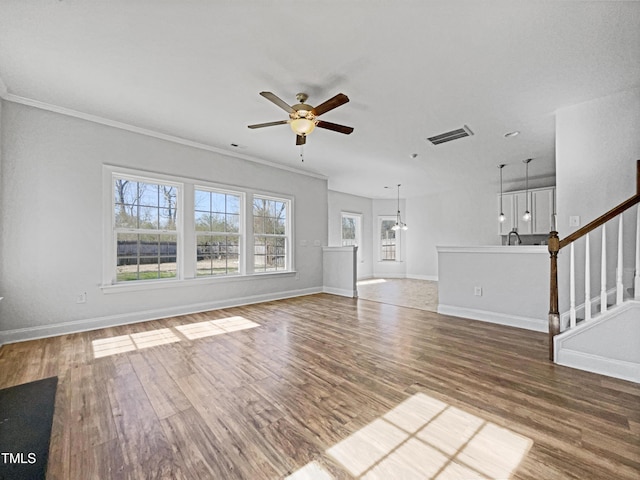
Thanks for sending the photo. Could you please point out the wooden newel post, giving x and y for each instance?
(554, 315)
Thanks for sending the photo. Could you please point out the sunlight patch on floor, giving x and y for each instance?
(373, 281)
(104, 347)
(311, 471)
(424, 438)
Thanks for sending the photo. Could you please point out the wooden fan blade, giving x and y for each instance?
(278, 101)
(335, 127)
(301, 140)
(339, 99)
(268, 124)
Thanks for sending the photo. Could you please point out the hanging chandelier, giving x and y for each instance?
(400, 225)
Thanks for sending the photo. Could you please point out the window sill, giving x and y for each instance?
(137, 286)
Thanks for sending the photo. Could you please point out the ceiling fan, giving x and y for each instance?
(303, 118)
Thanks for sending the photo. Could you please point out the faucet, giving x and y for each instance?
(518, 239)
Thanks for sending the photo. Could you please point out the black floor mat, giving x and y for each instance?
(26, 414)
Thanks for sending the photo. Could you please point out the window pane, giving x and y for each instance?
(217, 255)
(233, 204)
(126, 216)
(260, 207)
(167, 219)
(148, 194)
(258, 225)
(232, 223)
(148, 218)
(217, 222)
(203, 221)
(145, 257)
(387, 240)
(348, 228)
(218, 201)
(168, 197)
(203, 201)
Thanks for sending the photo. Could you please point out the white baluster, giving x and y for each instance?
(572, 289)
(587, 280)
(619, 286)
(603, 272)
(636, 280)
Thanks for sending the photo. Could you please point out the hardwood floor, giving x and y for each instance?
(325, 387)
(404, 292)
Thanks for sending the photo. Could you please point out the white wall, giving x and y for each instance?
(513, 283)
(52, 223)
(460, 217)
(597, 145)
(343, 202)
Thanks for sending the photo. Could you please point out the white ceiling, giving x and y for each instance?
(412, 69)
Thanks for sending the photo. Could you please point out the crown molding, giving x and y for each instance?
(144, 131)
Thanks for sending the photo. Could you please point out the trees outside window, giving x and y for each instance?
(218, 233)
(145, 229)
(160, 227)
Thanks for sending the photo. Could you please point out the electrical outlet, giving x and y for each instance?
(82, 298)
(477, 291)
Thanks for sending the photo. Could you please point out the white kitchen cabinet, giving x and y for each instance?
(543, 201)
(541, 206)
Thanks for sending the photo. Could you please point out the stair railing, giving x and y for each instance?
(556, 244)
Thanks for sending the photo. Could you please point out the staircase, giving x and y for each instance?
(602, 333)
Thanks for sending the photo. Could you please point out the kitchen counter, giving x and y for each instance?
(494, 283)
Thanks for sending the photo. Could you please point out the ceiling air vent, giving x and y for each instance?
(452, 135)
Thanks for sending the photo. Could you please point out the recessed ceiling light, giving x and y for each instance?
(512, 134)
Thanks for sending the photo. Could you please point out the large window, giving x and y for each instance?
(217, 224)
(388, 243)
(145, 229)
(160, 228)
(270, 234)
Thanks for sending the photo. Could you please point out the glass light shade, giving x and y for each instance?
(404, 227)
(395, 227)
(302, 126)
(501, 217)
(527, 216)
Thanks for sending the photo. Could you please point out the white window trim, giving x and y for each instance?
(110, 253)
(186, 256)
(289, 237)
(242, 230)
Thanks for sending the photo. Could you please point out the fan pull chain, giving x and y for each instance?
(302, 152)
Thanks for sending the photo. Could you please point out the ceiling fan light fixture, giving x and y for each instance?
(302, 126)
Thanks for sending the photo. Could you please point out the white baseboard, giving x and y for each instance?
(528, 323)
(76, 326)
(340, 291)
(433, 278)
(596, 364)
(388, 275)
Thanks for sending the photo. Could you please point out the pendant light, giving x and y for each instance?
(501, 217)
(399, 224)
(527, 214)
